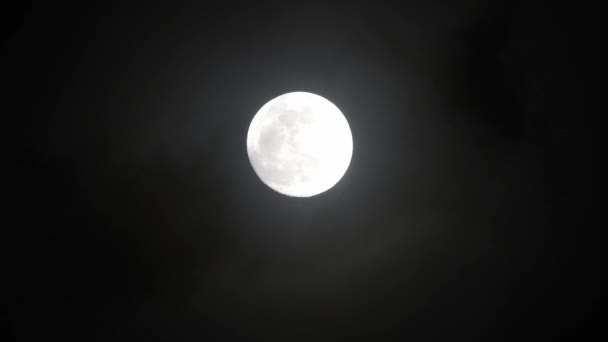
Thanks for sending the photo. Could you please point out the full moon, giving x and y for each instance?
(299, 144)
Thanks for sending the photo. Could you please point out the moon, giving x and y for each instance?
(299, 144)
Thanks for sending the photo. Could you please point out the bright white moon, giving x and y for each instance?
(299, 144)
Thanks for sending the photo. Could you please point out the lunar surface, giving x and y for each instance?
(299, 144)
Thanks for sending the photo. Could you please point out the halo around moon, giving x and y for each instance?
(299, 144)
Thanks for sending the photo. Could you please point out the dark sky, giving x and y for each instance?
(139, 217)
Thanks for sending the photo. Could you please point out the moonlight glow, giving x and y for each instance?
(299, 144)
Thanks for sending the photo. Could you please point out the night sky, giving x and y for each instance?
(135, 214)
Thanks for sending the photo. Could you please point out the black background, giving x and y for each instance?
(138, 216)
